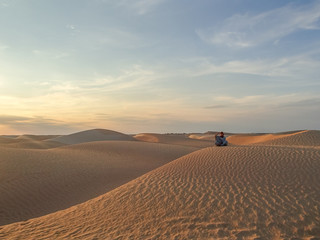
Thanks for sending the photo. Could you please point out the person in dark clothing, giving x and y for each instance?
(221, 139)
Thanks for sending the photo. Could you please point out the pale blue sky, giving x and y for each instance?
(159, 65)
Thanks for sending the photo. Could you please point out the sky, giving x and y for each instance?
(159, 65)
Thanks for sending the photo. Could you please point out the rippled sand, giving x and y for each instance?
(259, 190)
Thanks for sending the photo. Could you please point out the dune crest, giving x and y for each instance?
(309, 138)
(248, 139)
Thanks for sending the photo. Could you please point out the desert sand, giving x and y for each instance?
(162, 186)
(37, 182)
(174, 139)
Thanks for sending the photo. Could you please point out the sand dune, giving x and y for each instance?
(267, 187)
(208, 137)
(93, 135)
(247, 139)
(6, 140)
(300, 138)
(176, 139)
(303, 138)
(38, 182)
(36, 137)
(245, 192)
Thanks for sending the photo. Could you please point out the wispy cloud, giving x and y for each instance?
(134, 77)
(144, 6)
(64, 87)
(140, 7)
(2, 79)
(35, 125)
(73, 29)
(216, 106)
(50, 54)
(110, 37)
(79, 101)
(303, 103)
(71, 26)
(268, 102)
(118, 38)
(250, 30)
(239, 102)
(3, 47)
(4, 3)
(295, 68)
(131, 78)
(7, 119)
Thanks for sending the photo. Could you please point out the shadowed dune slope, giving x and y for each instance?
(266, 192)
(176, 139)
(38, 182)
(93, 135)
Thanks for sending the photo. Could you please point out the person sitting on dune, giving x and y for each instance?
(221, 139)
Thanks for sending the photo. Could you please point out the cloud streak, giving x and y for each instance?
(268, 101)
(137, 7)
(140, 7)
(295, 68)
(243, 31)
(36, 125)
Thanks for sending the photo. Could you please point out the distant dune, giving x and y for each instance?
(263, 186)
(93, 135)
(36, 137)
(29, 141)
(208, 137)
(175, 139)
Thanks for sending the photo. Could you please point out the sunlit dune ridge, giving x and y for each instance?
(300, 138)
(237, 192)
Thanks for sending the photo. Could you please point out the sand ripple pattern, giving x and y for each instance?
(303, 138)
(38, 182)
(248, 192)
(297, 138)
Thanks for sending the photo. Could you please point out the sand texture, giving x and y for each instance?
(268, 189)
(38, 182)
